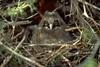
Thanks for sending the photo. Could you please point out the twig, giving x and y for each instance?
(15, 53)
(21, 56)
(72, 28)
(89, 4)
(66, 60)
(53, 55)
(9, 58)
(18, 23)
(18, 34)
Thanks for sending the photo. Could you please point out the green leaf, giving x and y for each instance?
(31, 4)
(89, 62)
(2, 25)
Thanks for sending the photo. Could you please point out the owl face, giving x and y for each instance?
(50, 21)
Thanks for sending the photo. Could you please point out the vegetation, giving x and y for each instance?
(27, 38)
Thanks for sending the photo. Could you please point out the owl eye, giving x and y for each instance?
(56, 23)
(46, 24)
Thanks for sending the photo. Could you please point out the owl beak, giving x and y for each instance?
(50, 26)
